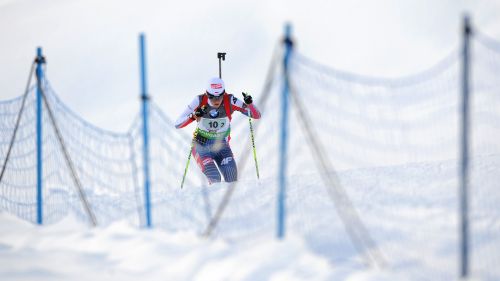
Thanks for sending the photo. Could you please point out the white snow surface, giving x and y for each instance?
(410, 210)
(69, 251)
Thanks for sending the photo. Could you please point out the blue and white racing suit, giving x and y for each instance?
(211, 148)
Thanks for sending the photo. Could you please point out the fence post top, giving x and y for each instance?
(467, 29)
(287, 40)
(288, 30)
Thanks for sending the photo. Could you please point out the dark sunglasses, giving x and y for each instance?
(215, 97)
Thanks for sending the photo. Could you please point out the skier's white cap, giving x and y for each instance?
(215, 87)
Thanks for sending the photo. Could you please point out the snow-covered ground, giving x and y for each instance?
(69, 251)
(410, 210)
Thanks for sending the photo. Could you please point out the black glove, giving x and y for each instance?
(198, 112)
(247, 98)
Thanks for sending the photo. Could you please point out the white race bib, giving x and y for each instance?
(216, 125)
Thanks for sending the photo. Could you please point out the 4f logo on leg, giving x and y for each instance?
(226, 160)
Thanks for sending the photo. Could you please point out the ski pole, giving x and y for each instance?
(189, 157)
(253, 144)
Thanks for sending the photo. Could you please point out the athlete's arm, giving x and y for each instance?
(185, 119)
(249, 110)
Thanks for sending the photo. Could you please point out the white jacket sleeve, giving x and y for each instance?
(184, 119)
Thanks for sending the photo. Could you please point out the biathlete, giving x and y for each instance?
(212, 111)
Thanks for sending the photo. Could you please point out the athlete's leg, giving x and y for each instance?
(225, 160)
(206, 163)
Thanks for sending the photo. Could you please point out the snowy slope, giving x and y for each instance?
(410, 210)
(67, 251)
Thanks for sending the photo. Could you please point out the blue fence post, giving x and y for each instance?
(464, 150)
(145, 132)
(40, 60)
(284, 134)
